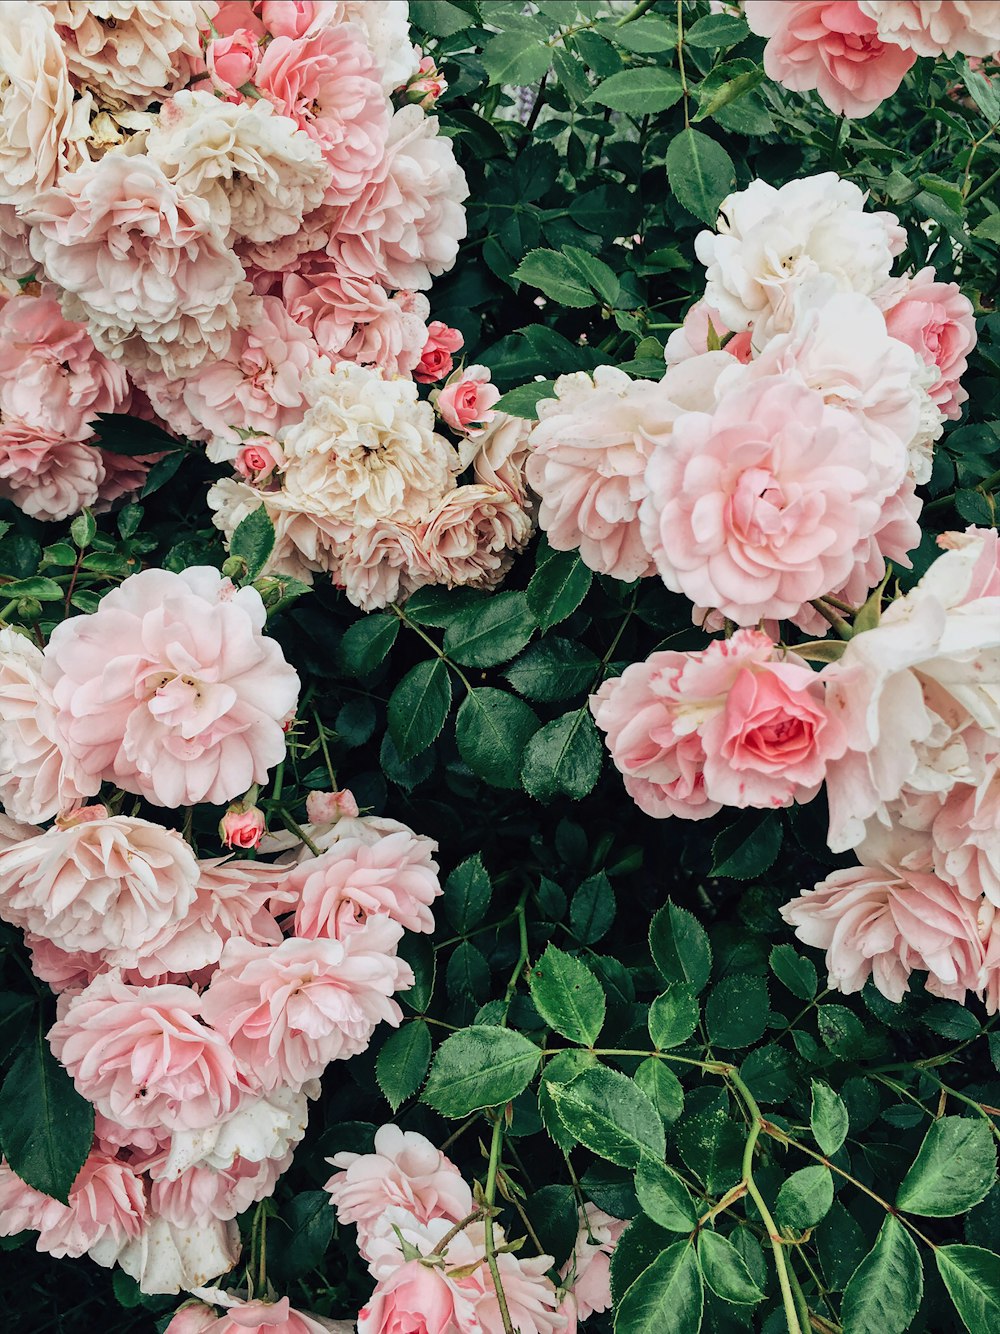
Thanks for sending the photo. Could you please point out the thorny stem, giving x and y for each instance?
(299, 832)
(680, 61)
(774, 1236)
(522, 958)
(326, 750)
(635, 12)
(453, 1232)
(491, 1195)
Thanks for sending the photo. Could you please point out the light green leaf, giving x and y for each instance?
(610, 1115)
(482, 1066)
(885, 1289)
(518, 56)
(972, 1277)
(568, 996)
(725, 1271)
(557, 276)
(662, 1087)
(954, 1169)
(639, 91)
(523, 401)
(664, 1196)
(673, 1017)
(666, 1298)
(700, 172)
(828, 1118)
(804, 1198)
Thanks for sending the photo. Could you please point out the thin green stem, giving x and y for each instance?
(635, 12)
(279, 778)
(491, 1194)
(977, 1107)
(522, 957)
(321, 730)
(983, 187)
(453, 1232)
(943, 502)
(299, 832)
(757, 1124)
(799, 1297)
(828, 614)
(438, 650)
(680, 61)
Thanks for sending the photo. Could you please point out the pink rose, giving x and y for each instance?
(242, 826)
(418, 1299)
(885, 922)
(44, 474)
(106, 1208)
(192, 1318)
(936, 321)
(262, 1316)
(290, 1010)
(297, 18)
(702, 323)
(405, 1171)
(465, 403)
(966, 835)
(258, 462)
(758, 507)
(206, 1192)
(232, 61)
(473, 534)
(589, 1268)
(143, 1056)
(938, 27)
(832, 46)
(193, 707)
(435, 360)
(329, 807)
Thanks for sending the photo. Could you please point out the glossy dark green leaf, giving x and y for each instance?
(402, 1063)
(737, 1009)
(366, 643)
(725, 1271)
(558, 586)
(490, 634)
(492, 729)
(667, 1298)
(680, 947)
(828, 1117)
(972, 1277)
(610, 1115)
(885, 1289)
(467, 894)
(418, 707)
(568, 996)
(46, 1127)
(953, 1171)
(664, 1197)
(482, 1066)
(563, 758)
(253, 541)
(804, 1198)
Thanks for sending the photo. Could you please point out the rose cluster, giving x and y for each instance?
(855, 53)
(199, 999)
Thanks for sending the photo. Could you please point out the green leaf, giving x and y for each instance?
(954, 1169)
(482, 1066)
(639, 1245)
(253, 541)
(568, 996)
(716, 30)
(557, 276)
(737, 1009)
(517, 56)
(83, 529)
(610, 1115)
(419, 953)
(828, 1117)
(45, 590)
(467, 894)
(468, 974)
(365, 644)
(601, 277)
(300, 1245)
(662, 1087)
(794, 971)
(562, 1068)
(673, 1017)
(711, 1144)
(402, 1063)
(680, 946)
(841, 1031)
(553, 669)
(46, 1127)
(664, 1196)
(563, 758)
(747, 848)
(726, 1271)
(666, 1298)
(523, 401)
(440, 18)
(988, 229)
(639, 91)
(555, 1220)
(804, 1198)
(885, 1289)
(593, 909)
(972, 1277)
(558, 586)
(700, 172)
(492, 633)
(418, 707)
(492, 729)
(645, 35)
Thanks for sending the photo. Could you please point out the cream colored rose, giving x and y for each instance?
(36, 102)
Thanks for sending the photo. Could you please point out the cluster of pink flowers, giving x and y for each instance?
(776, 462)
(200, 1000)
(206, 202)
(855, 53)
(423, 1237)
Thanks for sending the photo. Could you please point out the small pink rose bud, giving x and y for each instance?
(82, 815)
(258, 461)
(242, 826)
(428, 85)
(232, 61)
(329, 807)
(435, 360)
(465, 401)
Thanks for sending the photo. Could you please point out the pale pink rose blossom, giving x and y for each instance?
(124, 475)
(50, 372)
(259, 1317)
(144, 266)
(936, 320)
(192, 1318)
(232, 61)
(938, 27)
(385, 563)
(418, 1299)
(588, 1269)
(473, 535)
(242, 826)
(24, 1209)
(386, 25)
(36, 102)
(171, 689)
(758, 507)
(37, 777)
(265, 1126)
(465, 401)
(62, 970)
(107, 1208)
(328, 84)
(435, 359)
(15, 253)
(884, 923)
(143, 1057)
(338, 891)
(588, 461)
(329, 807)
(257, 384)
(298, 18)
(290, 1010)
(104, 885)
(502, 451)
(132, 52)
(834, 48)
(693, 337)
(966, 837)
(44, 474)
(202, 1192)
(405, 1171)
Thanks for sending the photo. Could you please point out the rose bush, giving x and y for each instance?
(500, 591)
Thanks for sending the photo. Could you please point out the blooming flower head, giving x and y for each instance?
(105, 885)
(171, 689)
(937, 27)
(466, 401)
(937, 322)
(834, 48)
(589, 1268)
(36, 101)
(143, 1056)
(44, 474)
(290, 1010)
(106, 1207)
(473, 535)
(435, 359)
(259, 1317)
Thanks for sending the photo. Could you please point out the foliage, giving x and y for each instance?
(612, 1000)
